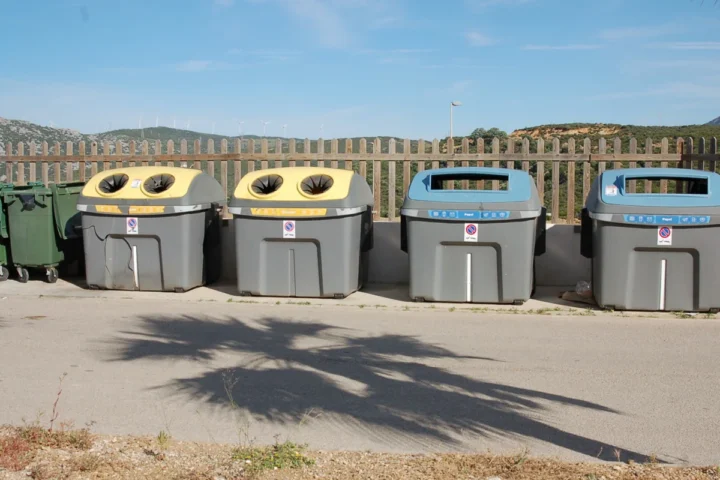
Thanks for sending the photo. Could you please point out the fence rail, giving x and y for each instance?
(563, 170)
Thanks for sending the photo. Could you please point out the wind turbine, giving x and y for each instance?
(322, 129)
(285, 130)
(213, 128)
(157, 120)
(52, 125)
(174, 122)
(188, 125)
(264, 124)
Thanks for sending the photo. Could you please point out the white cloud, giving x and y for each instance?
(477, 39)
(333, 22)
(396, 51)
(690, 45)
(267, 56)
(324, 21)
(495, 3)
(572, 46)
(460, 86)
(640, 32)
(193, 66)
(385, 22)
(698, 64)
(674, 89)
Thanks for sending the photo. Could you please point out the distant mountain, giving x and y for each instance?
(16, 131)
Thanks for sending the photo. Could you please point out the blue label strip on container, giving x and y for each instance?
(668, 219)
(469, 215)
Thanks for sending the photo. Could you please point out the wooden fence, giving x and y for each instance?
(563, 170)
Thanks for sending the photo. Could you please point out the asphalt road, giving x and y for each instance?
(357, 378)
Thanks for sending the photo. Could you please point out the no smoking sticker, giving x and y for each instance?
(664, 236)
(471, 232)
(132, 226)
(288, 228)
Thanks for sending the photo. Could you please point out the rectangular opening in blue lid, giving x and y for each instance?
(685, 185)
(442, 181)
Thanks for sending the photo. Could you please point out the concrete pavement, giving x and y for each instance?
(377, 376)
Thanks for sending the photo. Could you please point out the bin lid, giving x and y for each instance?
(609, 190)
(429, 189)
(304, 187)
(146, 190)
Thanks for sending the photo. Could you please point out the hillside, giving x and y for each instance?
(16, 131)
(610, 131)
(714, 122)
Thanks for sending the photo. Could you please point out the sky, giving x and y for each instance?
(340, 68)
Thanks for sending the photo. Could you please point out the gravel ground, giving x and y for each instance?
(150, 458)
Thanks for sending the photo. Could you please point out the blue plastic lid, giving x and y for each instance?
(427, 185)
(613, 191)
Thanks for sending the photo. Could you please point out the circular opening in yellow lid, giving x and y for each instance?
(112, 184)
(158, 184)
(266, 185)
(316, 185)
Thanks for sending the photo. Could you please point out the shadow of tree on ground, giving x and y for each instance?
(382, 386)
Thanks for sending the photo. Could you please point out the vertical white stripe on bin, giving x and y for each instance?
(468, 278)
(135, 266)
(663, 276)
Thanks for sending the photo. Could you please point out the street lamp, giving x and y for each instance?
(452, 142)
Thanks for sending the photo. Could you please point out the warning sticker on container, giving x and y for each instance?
(136, 183)
(664, 236)
(471, 232)
(611, 190)
(132, 226)
(288, 228)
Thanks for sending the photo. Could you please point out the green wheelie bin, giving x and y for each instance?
(44, 227)
(4, 236)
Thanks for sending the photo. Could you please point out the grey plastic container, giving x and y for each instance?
(325, 255)
(174, 244)
(475, 246)
(647, 249)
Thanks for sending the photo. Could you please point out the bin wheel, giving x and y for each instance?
(52, 275)
(23, 275)
(4, 274)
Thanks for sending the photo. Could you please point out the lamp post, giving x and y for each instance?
(452, 142)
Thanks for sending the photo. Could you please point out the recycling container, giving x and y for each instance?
(302, 232)
(474, 245)
(43, 227)
(4, 236)
(151, 229)
(647, 248)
